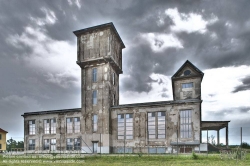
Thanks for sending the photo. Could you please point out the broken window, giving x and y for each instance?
(114, 99)
(94, 75)
(156, 125)
(32, 127)
(185, 123)
(187, 85)
(125, 126)
(32, 144)
(95, 119)
(77, 125)
(94, 95)
(69, 143)
(46, 144)
(53, 126)
(77, 144)
(69, 125)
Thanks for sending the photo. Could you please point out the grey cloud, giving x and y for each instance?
(245, 85)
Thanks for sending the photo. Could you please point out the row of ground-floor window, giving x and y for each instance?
(74, 144)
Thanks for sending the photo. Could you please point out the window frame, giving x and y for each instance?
(31, 144)
(155, 129)
(95, 123)
(188, 85)
(94, 75)
(73, 125)
(32, 127)
(186, 124)
(125, 126)
(94, 97)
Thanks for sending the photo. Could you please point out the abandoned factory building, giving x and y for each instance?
(101, 125)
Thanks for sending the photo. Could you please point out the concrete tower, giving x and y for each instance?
(99, 54)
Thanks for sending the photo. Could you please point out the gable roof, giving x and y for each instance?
(3, 131)
(192, 65)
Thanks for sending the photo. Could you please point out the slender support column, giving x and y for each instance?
(227, 136)
(218, 137)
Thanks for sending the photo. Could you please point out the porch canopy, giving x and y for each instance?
(215, 125)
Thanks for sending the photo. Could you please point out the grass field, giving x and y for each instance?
(127, 160)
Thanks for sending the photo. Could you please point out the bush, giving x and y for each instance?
(194, 156)
(245, 145)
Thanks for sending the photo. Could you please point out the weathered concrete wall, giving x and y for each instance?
(140, 141)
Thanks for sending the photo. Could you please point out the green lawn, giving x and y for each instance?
(126, 160)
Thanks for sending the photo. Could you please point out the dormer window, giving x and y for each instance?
(187, 85)
(187, 72)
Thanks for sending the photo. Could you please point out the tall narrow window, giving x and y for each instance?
(46, 144)
(113, 78)
(121, 126)
(187, 85)
(69, 125)
(185, 123)
(95, 119)
(161, 125)
(151, 125)
(46, 126)
(94, 75)
(53, 126)
(114, 99)
(32, 144)
(32, 127)
(77, 125)
(94, 97)
(129, 126)
(53, 144)
(0, 136)
(0, 146)
(69, 143)
(125, 126)
(77, 144)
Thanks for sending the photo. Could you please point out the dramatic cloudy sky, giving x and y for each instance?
(38, 53)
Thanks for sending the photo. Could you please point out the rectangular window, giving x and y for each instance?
(32, 144)
(114, 99)
(156, 125)
(95, 145)
(121, 126)
(32, 127)
(94, 75)
(161, 125)
(53, 126)
(94, 95)
(77, 144)
(125, 126)
(69, 125)
(69, 143)
(53, 144)
(185, 123)
(187, 85)
(0, 136)
(46, 126)
(95, 119)
(0, 146)
(151, 125)
(113, 78)
(46, 144)
(77, 125)
(129, 126)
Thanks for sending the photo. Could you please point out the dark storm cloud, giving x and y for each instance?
(245, 85)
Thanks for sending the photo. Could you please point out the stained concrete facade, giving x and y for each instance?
(106, 126)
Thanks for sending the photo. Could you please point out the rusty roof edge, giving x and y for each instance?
(157, 103)
(51, 111)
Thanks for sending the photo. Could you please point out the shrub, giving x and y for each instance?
(194, 156)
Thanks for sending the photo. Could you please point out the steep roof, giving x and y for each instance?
(190, 64)
(111, 25)
(3, 131)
